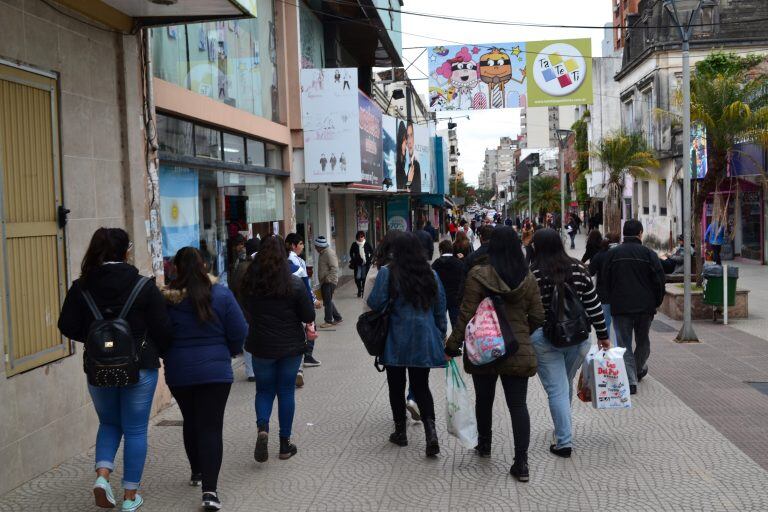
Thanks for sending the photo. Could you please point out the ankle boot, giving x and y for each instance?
(483, 447)
(399, 436)
(433, 447)
(287, 448)
(261, 453)
(519, 469)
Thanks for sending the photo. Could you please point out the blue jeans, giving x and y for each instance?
(276, 378)
(608, 322)
(248, 360)
(557, 368)
(124, 413)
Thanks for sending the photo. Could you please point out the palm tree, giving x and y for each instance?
(733, 106)
(545, 193)
(622, 154)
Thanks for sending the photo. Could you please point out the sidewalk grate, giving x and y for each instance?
(170, 423)
(659, 326)
(760, 386)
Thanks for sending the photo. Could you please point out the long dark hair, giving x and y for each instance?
(462, 245)
(107, 244)
(269, 274)
(549, 256)
(383, 254)
(402, 134)
(594, 241)
(505, 254)
(411, 272)
(191, 276)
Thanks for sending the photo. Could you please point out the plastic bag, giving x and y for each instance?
(460, 412)
(584, 386)
(610, 383)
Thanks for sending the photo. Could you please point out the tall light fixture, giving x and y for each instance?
(562, 139)
(686, 333)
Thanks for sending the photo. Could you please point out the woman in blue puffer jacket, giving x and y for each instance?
(209, 328)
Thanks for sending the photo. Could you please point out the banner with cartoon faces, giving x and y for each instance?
(510, 75)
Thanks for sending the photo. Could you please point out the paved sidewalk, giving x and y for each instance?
(660, 455)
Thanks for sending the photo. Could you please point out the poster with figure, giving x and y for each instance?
(179, 214)
(389, 152)
(510, 75)
(413, 162)
(331, 120)
(398, 213)
(371, 158)
(698, 150)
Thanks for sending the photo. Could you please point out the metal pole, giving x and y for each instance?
(725, 294)
(686, 333)
(562, 193)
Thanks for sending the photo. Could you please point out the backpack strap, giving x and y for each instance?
(91, 304)
(132, 297)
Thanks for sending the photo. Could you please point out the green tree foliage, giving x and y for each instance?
(484, 196)
(545, 194)
(461, 189)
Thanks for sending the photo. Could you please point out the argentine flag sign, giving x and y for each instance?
(179, 215)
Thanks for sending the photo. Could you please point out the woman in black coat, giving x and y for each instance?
(360, 255)
(276, 305)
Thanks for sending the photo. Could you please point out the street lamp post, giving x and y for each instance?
(530, 196)
(686, 333)
(562, 139)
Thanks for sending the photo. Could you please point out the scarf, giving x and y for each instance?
(361, 250)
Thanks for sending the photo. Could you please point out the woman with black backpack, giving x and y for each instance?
(561, 350)
(122, 395)
(208, 330)
(507, 276)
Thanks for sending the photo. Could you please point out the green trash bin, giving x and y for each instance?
(713, 285)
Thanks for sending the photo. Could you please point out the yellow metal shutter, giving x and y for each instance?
(32, 267)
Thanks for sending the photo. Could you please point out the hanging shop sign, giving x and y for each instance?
(698, 150)
(370, 141)
(510, 75)
(330, 114)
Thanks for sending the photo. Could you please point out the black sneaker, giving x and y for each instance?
(196, 480)
(633, 389)
(287, 448)
(642, 373)
(561, 452)
(310, 362)
(519, 470)
(261, 452)
(211, 501)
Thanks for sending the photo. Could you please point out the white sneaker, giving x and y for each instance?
(102, 492)
(413, 408)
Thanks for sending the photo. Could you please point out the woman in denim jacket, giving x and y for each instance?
(417, 327)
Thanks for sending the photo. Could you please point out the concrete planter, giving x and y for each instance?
(673, 304)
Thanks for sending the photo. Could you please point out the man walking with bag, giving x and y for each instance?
(634, 279)
(328, 276)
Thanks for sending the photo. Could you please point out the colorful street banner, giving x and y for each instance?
(330, 113)
(370, 141)
(398, 212)
(179, 215)
(510, 75)
(698, 150)
(389, 126)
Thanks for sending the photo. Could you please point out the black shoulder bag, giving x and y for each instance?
(373, 328)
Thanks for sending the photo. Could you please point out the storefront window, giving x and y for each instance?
(174, 135)
(274, 156)
(234, 148)
(255, 150)
(232, 61)
(207, 142)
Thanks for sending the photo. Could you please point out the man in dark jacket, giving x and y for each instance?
(634, 279)
(450, 270)
(480, 255)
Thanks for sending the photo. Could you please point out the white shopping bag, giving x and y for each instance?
(460, 413)
(610, 383)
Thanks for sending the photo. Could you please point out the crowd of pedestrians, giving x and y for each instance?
(194, 325)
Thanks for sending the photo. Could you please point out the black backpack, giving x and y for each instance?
(566, 322)
(111, 353)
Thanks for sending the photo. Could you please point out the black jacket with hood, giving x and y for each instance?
(110, 284)
(450, 270)
(634, 278)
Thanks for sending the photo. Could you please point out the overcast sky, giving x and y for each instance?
(484, 128)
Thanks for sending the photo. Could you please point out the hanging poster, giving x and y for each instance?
(398, 213)
(510, 75)
(331, 121)
(698, 150)
(413, 165)
(389, 151)
(179, 216)
(363, 215)
(370, 141)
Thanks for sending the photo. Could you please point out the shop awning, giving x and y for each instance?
(431, 199)
(131, 15)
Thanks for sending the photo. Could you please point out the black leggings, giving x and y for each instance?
(515, 391)
(202, 407)
(419, 379)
